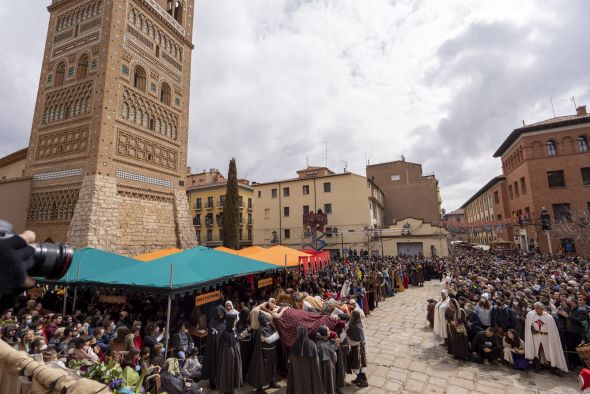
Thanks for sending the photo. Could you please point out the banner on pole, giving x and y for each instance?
(207, 298)
(264, 282)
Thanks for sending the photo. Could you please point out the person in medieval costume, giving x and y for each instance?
(244, 332)
(440, 323)
(358, 356)
(229, 370)
(210, 361)
(342, 353)
(542, 343)
(263, 366)
(327, 354)
(304, 366)
(457, 332)
(420, 275)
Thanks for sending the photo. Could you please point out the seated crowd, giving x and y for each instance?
(523, 310)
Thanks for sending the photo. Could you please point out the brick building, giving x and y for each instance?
(547, 165)
(108, 146)
(408, 192)
(454, 222)
(487, 214)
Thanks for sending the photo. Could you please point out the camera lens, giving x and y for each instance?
(51, 261)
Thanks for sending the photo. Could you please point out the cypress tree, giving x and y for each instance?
(231, 208)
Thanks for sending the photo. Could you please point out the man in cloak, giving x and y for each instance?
(304, 366)
(210, 361)
(358, 355)
(263, 365)
(440, 323)
(327, 354)
(542, 343)
(229, 371)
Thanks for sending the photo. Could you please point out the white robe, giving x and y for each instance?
(440, 322)
(551, 342)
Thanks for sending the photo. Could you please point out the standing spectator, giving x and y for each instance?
(229, 371)
(54, 324)
(304, 366)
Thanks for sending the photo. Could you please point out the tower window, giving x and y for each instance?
(165, 94)
(82, 67)
(139, 79)
(60, 74)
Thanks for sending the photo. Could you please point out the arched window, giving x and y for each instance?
(551, 148)
(583, 143)
(60, 73)
(82, 71)
(139, 79)
(165, 94)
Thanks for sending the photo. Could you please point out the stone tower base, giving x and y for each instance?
(129, 222)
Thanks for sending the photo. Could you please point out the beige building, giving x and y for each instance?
(353, 205)
(108, 146)
(408, 192)
(15, 189)
(206, 195)
(412, 237)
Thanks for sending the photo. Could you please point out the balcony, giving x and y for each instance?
(250, 207)
(220, 204)
(198, 207)
(209, 205)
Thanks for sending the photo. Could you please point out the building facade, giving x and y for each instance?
(352, 203)
(15, 189)
(206, 195)
(408, 193)
(454, 222)
(487, 214)
(547, 165)
(108, 146)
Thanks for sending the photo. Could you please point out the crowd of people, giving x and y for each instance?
(308, 326)
(522, 310)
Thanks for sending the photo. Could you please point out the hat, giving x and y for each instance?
(333, 335)
(584, 379)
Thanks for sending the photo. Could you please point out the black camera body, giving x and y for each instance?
(50, 261)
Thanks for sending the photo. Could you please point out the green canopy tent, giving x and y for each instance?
(177, 273)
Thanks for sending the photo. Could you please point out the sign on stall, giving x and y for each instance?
(112, 299)
(207, 298)
(264, 282)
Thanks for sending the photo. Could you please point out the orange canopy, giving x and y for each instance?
(227, 250)
(250, 251)
(156, 254)
(281, 256)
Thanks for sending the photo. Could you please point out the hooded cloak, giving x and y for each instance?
(327, 355)
(210, 361)
(229, 371)
(304, 366)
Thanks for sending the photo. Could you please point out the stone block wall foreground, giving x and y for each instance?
(128, 222)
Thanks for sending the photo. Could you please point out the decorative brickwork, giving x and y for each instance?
(69, 102)
(62, 143)
(143, 112)
(144, 150)
(79, 14)
(52, 205)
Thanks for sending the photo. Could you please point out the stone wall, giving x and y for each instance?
(187, 237)
(146, 223)
(94, 223)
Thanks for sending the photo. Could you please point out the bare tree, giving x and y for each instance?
(576, 226)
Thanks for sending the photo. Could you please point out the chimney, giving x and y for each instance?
(581, 110)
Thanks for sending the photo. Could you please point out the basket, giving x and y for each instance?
(584, 353)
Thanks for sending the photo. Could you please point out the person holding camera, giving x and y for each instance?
(16, 258)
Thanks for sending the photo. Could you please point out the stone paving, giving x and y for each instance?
(404, 357)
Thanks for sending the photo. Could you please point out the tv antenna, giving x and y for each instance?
(573, 99)
(552, 107)
(345, 166)
(326, 152)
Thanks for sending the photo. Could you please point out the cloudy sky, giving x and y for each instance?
(440, 82)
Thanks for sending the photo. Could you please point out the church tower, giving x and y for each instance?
(108, 146)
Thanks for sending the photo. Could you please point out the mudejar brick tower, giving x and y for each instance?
(108, 144)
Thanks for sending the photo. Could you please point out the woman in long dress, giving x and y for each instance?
(457, 332)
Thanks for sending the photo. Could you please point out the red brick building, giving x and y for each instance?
(547, 165)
